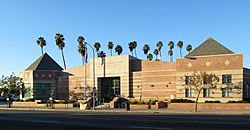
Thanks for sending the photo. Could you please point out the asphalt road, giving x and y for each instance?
(38, 120)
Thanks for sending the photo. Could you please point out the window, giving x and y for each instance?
(246, 90)
(206, 92)
(41, 91)
(188, 79)
(207, 80)
(226, 92)
(27, 90)
(226, 78)
(188, 92)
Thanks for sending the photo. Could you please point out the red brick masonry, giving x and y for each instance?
(209, 106)
(35, 104)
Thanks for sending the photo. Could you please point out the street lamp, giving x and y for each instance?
(93, 72)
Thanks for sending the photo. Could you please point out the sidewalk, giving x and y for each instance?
(122, 111)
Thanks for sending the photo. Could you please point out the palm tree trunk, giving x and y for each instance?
(132, 53)
(180, 53)
(84, 65)
(42, 50)
(160, 53)
(63, 59)
(111, 52)
(135, 53)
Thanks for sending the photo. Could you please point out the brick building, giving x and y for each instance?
(133, 78)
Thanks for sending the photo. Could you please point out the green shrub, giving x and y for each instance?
(137, 102)
(30, 100)
(148, 102)
(18, 100)
(70, 101)
(141, 103)
(237, 102)
(182, 101)
(61, 102)
(76, 104)
(207, 101)
(153, 102)
(133, 102)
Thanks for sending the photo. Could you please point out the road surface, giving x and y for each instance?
(42, 120)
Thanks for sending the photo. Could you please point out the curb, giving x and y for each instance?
(158, 112)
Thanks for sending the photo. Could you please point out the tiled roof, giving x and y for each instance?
(44, 62)
(209, 47)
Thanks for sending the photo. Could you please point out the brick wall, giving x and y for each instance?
(209, 106)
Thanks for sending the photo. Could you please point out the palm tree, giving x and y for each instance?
(82, 50)
(110, 47)
(59, 39)
(146, 48)
(134, 47)
(156, 52)
(150, 56)
(131, 47)
(189, 48)
(102, 55)
(159, 45)
(171, 45)
(81, 47)
(97, 46)
(41, 42)
(180, 45)
(170, 53)
(118, 49)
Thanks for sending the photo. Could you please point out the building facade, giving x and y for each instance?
(136, 79)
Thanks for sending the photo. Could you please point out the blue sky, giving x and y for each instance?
(121, 21)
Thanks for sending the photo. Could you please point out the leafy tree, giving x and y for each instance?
(118, 49)
(189, 48)
(150, 57)
(199, 81)
(159, 45)
(110, 47)
(156, 52)
(146, 48)
(59, 39)
(9, 86)
(41, 42)
(180, 45)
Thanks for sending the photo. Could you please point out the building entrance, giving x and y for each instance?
(110, 88)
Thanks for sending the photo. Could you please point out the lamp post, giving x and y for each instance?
(93, 50)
